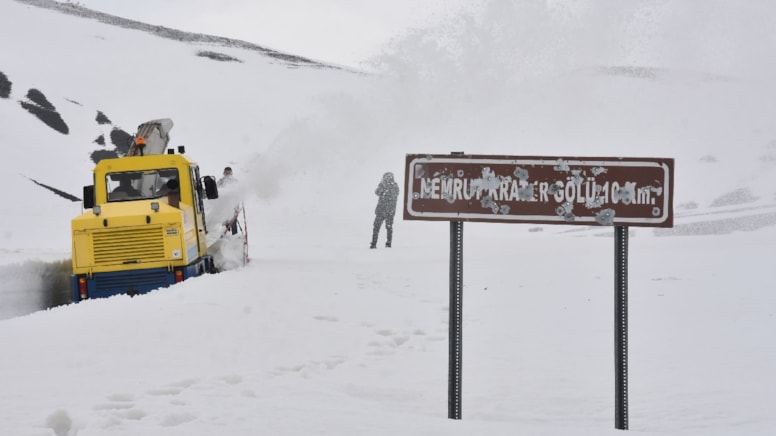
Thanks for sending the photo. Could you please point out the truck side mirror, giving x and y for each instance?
(88, 197)
(211, 188)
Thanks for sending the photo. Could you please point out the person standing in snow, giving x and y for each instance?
(228, 177)
(231, 225)
(388, 193)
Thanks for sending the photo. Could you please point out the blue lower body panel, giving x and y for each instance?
(133, 282)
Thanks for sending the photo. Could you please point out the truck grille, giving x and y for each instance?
(132, 245)
(127, 281)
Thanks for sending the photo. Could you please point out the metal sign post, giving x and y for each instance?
(621, 327)
(456, 320)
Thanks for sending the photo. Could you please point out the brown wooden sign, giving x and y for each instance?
(539, 189)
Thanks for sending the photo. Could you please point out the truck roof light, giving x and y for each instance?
(155, 206)
(97, 210)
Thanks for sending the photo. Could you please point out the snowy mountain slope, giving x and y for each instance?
(77, 10)
(319, 334)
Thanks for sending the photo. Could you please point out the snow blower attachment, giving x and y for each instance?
(152, 137)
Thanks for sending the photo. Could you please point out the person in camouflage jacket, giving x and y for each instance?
(388, 193)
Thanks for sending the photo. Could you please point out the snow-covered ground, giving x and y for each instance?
(320, 335)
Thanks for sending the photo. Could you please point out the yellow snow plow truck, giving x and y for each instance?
(144, 222)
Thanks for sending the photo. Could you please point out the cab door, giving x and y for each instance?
(199, 210)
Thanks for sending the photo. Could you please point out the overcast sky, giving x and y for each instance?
(338, 31)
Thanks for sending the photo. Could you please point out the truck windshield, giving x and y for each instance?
(138, 185)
